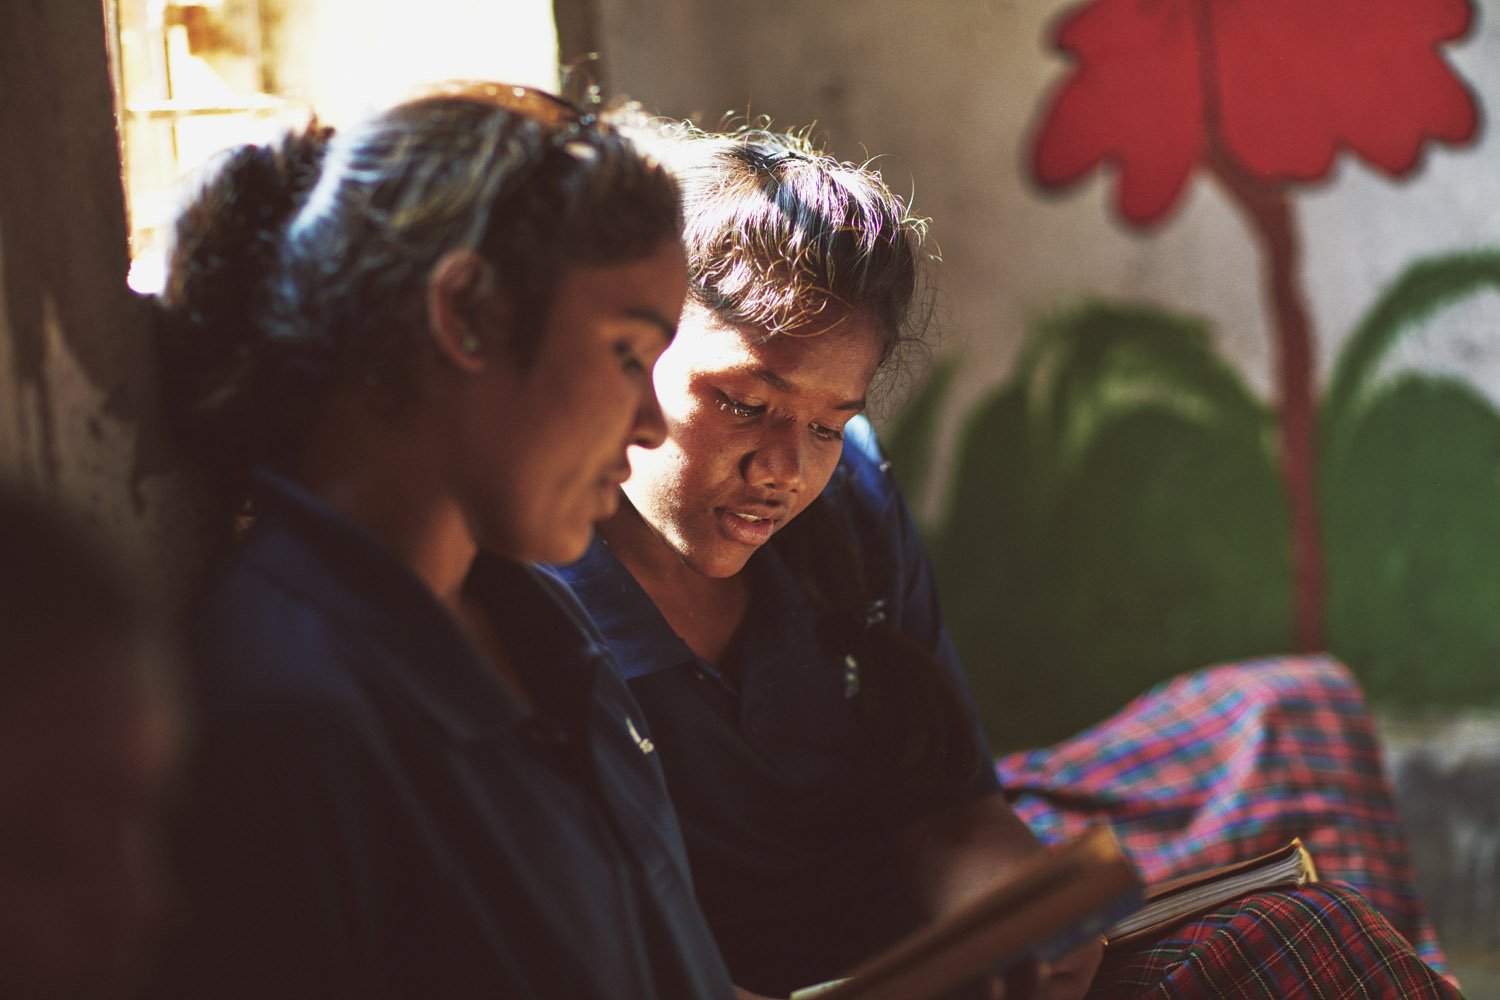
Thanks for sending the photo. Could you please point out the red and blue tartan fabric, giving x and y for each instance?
(1228, 763)
(1321, 942)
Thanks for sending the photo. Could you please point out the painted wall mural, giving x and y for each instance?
(1124, 506)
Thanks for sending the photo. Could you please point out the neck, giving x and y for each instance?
(654, 563)
(704, 611)
(388, 477)
(384, 481)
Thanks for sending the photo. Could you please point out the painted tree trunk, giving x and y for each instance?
(1269, 213)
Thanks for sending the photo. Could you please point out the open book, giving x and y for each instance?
(1052, 905)
(1048, 906)
(1174, 900)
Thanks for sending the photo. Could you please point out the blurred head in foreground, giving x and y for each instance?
(87, 733)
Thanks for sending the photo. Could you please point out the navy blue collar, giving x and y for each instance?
(644, 643)
(633, 628)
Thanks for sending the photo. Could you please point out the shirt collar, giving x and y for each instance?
(632, 626)
(640, 637)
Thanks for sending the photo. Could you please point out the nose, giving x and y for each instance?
(650, 428)
(777, 462)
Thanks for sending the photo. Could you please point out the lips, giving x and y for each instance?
(609, 502)
(619, 473)
(609, 487)
(752, 524)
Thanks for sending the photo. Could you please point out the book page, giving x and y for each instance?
(1197, 893)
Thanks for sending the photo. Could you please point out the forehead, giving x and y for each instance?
(844, 356)
(659, 279)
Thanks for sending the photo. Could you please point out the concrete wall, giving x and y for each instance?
(78, 418)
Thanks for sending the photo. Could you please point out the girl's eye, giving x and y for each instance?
(630, 361)
(823, 433)
(731, 405)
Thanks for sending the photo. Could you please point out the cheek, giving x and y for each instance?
(819, 471)
(589, 421)
(569, 449)
(708, 457)
(822, 465)
(683, 411)
(619, 398)
(692, 447)
(579, 404)
(658, 478)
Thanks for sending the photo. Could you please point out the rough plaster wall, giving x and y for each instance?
(77, 413)
(947, 92)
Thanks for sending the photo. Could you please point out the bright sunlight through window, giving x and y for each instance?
(192, 78)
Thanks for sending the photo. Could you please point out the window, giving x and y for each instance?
(192, 78)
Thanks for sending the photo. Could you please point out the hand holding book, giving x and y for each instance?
(1046, 908)
(1049, 907)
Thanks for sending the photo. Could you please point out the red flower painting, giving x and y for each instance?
(1260, 95)
(1276, 87)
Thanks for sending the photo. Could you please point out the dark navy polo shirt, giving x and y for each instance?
(368, 813)
(789, 821)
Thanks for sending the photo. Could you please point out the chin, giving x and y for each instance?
(559, 545)
(719, 566)
(569, 550)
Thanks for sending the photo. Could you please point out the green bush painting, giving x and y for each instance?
(1116, 515)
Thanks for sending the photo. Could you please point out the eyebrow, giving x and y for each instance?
(648, 315)
(776, 381)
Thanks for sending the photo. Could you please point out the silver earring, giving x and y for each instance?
(469, 345)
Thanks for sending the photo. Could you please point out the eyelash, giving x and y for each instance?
(746, 411)
(731, 405)
(629, 359)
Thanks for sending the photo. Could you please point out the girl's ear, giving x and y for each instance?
(466, 310)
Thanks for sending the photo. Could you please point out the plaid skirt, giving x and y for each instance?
(1321, 942)
(1230, 762)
